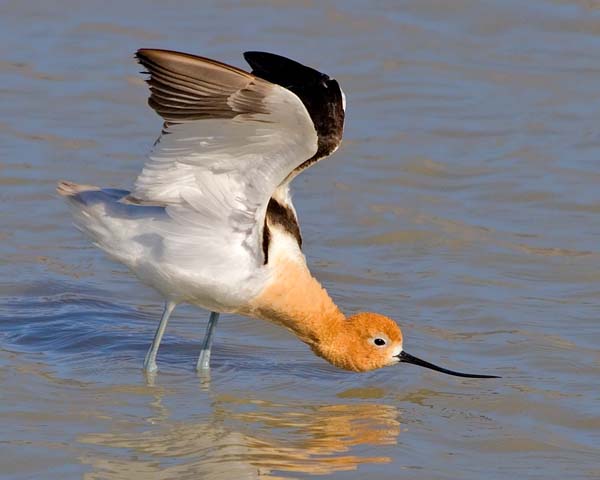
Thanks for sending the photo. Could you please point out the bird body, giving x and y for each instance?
(210, 220)
(139, 236)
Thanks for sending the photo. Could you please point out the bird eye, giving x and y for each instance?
(380, 342)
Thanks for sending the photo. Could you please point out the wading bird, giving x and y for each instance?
(210, 220)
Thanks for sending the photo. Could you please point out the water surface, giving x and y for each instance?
(464, 203)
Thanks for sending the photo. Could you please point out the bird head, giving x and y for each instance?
(369, 341)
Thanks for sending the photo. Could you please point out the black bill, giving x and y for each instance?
(407, 358)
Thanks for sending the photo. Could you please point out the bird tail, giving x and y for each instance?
(101, 215)
(71, 189)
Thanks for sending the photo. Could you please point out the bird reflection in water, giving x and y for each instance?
(247, 438)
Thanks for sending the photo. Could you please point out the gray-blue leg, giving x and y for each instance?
(150, 360)
(204, 358)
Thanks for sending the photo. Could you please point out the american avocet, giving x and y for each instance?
(210, 220)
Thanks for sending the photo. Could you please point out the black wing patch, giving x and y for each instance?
(283, 216)
(321, 95)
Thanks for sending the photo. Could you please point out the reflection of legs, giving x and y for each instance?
(204, 358)
(150, 360)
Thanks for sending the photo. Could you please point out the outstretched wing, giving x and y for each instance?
(222, 125)
(229, 139)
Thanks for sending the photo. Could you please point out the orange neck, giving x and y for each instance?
(294, 299)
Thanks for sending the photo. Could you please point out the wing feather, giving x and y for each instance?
(230, 139)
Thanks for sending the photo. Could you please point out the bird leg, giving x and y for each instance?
(150, 360)
(204, 358)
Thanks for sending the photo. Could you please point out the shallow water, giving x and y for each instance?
(464, 203)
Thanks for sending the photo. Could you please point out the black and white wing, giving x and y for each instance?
(230, 138)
